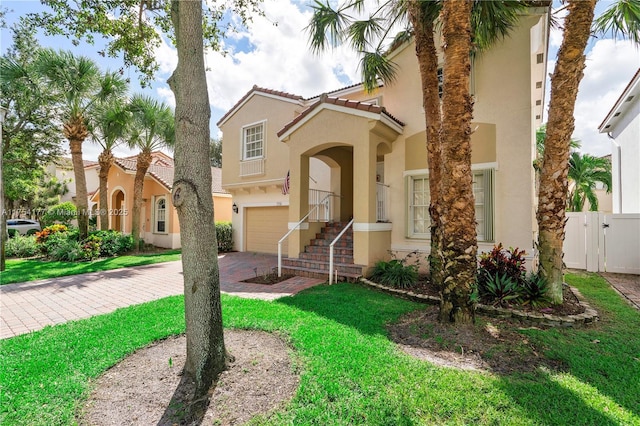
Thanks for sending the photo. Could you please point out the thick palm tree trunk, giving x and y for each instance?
(459, 240)
(143, 161)
(206, 356)
(553, 189)
(76, 132)
(428, 63)
(105, 160)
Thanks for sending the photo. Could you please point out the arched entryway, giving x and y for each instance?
(117, 212)
(353, 139)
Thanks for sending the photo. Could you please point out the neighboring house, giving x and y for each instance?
(62, 170)
(158, 218)
(368, 152)
(622, 125)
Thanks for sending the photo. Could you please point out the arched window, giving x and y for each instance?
(161, 215)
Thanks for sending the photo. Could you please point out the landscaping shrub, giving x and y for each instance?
(499, 261)
(534, 291)
(62, 213)
(113, 243)
(502, 280)
(498, 289)
(396, 272)
(91, 247)
(66, 250)
(43, 236)
(20, 246)
(224, 235)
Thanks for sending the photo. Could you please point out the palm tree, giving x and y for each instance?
(81, 87)
(107, 129)
(152, 127)
(622, 17)
(585, 171)
(489, 20)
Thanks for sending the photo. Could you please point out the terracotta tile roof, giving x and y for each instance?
(362, 106)
(258, 89)
(340, 90)
(163, 171)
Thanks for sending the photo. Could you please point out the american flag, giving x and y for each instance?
(285, 186)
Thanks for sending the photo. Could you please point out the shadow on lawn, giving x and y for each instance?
(352, 305)
(78, 279)
(600, 356)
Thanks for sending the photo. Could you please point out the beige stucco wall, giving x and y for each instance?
(275, 113)
(503, 138)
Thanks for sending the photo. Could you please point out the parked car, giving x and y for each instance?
(23, 226)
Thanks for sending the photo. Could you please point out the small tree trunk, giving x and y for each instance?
(105, 159)
(143, 162)
(428, 62)
(459, 240)
(76, 132)
(193, 201)
(553, 189)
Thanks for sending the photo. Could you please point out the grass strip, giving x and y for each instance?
(350, 372)
(22, 270)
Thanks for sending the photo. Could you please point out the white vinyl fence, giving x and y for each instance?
(600, 242)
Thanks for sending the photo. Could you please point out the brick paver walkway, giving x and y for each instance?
(628, 285)
(30, 306)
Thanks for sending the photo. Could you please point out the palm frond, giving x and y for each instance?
(375, 65)
(493, 20)
(621, 19)
(327, 27)
(360, 33)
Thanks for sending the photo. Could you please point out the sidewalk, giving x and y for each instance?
(31, 306)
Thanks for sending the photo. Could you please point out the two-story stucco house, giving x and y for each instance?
(158, 217)
(356, 155)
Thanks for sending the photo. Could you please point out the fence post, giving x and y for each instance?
(593, 241)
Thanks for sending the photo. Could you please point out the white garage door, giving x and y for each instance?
(264, 227)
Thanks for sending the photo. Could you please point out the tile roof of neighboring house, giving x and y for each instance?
(362, 106)
(162, 170)
(253, 90)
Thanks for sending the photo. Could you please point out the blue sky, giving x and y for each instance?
(277, 57)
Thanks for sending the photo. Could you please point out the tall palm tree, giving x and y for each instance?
(107, 129)
(621, 18)
(81, 87)
(489, 21)
(152, 127)
(585, 171)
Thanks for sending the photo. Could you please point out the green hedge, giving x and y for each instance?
(224, 235)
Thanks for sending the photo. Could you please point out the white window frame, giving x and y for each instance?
(156, 215)
(243, 135)
(485, 227)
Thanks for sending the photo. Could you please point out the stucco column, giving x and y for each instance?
(364, 197)
(298, 201)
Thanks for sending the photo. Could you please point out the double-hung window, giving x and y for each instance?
(253, 142)
(418, 200)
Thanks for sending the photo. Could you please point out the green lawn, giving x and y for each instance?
(21, 270)
(351, 373)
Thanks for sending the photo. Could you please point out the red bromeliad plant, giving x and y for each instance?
(509, 263)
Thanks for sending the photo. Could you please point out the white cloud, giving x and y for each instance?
(279, 59)
(610, 66)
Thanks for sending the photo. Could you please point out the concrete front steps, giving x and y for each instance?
(314, 261)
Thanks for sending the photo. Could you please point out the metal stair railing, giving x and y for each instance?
(331, 251)
(293, 229)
